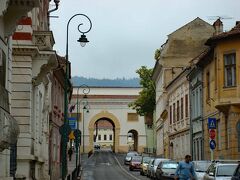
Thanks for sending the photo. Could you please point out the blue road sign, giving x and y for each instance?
(72, 122)
(212, 144)
(212, 123)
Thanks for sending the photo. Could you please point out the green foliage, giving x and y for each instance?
(145, 104)
(157, 54)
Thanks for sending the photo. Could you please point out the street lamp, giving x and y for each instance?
(77, 132)
(85, 107)
(65, 128)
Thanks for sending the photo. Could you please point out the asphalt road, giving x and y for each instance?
(105, 165)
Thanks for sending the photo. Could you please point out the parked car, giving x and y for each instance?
(154, 167)
(166, 170)
(129, 156)
(97, 146)
(201, 168)
(144, 163)
(236, 174)
(149, 167)
(219, 170)
(135, 163)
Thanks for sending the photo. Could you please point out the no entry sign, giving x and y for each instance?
(212, 133)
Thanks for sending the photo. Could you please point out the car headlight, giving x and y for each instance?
(128, 158)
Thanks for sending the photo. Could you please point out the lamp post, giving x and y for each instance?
(77, 132)
(65, 129)
(85, 107)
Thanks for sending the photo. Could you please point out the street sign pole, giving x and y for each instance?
(211, 150)
(212, 124)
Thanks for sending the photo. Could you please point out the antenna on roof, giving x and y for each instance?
(219, 17)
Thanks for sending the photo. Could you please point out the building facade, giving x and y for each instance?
(221, 94)
(182, 46)
(177, 124)
(10, 13)
(111, 104)
(33, 61)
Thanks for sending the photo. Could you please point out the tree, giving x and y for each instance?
(145, 103)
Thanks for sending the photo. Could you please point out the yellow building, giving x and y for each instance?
(221, 93)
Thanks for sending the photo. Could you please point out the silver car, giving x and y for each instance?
(220, 171)
(201, 168)
(155, 165)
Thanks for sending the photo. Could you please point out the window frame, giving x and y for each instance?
(232, 67)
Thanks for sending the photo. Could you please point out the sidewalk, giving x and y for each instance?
(72, 163)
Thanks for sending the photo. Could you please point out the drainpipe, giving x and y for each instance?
(202, 120)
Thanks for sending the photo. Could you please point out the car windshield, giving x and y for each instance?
(132, 154)
(201, 166)
(157, 161)
(146, 159)
(226, 170)
(136, 159)
(169, 165)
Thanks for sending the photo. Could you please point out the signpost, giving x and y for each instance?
(212, 125)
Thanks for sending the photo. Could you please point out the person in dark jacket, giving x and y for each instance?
(70, 152)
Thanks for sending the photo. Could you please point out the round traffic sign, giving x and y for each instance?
(212, 144)
(212, 133)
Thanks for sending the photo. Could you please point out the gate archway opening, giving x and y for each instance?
(104, 116)
(132, 140)
(104, 133)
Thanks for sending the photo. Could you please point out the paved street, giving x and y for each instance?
(106, 165)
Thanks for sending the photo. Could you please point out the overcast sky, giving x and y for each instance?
(126, 33)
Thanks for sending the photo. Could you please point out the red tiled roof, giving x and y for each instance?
(234, 32)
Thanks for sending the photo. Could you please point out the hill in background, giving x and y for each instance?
(118, 82)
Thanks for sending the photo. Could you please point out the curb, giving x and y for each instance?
(125, 169)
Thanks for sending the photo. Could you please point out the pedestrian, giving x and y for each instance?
(185, 170)
(70, 152)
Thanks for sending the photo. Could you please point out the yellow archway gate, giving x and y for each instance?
(107, 115)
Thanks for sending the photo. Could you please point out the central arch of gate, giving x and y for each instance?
(116, 128)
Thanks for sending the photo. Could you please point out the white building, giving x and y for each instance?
(33, 60)
(10, 13)
(111, 104)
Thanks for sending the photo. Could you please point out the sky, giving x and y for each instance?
(126, 33)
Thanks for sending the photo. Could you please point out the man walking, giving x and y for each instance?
(70, 152)
(185, 170)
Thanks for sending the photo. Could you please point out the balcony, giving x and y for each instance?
(43, 40)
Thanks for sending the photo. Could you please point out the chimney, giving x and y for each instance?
(218, 26)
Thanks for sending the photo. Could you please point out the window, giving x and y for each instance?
(181, 108)
(132, 117)
(208, 86)
(178, 111)
(230, 69)
(2, 68)
(105, 137)
(174, 113)
(186, 105)
(99, 137)
(110, 137)
(170, 115)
